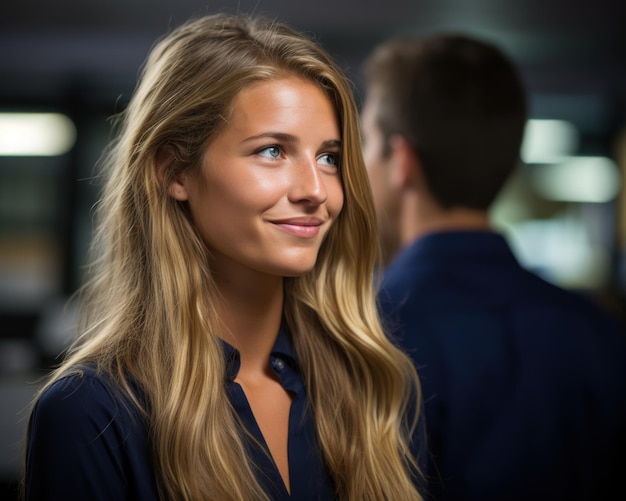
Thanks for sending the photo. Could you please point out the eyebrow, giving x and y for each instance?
(290, 138)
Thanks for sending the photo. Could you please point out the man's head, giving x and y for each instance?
(459, 106)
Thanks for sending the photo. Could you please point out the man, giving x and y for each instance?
(524, 383)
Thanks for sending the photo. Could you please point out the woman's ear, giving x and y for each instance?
(165, 157)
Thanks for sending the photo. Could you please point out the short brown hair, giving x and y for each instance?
(462, 105)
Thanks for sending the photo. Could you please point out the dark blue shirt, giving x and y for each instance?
(524, 383)
(87, 442)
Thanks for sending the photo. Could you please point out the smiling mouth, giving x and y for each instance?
(302, 228)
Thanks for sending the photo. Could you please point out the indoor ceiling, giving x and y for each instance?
(576, 46)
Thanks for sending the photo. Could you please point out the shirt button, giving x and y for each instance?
(278, 363)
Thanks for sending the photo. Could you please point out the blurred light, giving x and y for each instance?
(561, 251)
(36, 134)
(578, 179)
(548, 141)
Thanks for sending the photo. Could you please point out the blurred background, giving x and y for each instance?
(69, 65)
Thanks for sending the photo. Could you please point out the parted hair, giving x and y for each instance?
(461, 103)
(148, 307)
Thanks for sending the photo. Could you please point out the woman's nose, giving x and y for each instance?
(307, 183)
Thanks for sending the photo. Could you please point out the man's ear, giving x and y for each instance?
(165, 157)
(404, 163)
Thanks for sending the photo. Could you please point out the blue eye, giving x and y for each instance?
(270, 151)
(329, 159)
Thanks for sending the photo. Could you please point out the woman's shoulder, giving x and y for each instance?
(84, 397)
(87, 440)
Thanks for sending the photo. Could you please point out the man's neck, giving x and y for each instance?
(458, 219)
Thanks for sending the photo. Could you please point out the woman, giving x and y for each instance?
(230, 346)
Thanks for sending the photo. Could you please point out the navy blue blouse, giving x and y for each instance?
(86, 442)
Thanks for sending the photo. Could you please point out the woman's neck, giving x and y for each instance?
(251, 313)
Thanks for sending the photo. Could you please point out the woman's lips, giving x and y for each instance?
(301, 227)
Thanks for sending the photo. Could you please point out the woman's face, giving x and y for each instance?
(269, 187)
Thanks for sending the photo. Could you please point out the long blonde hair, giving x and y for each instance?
(148, 309)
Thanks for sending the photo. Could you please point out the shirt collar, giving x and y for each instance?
(283, 347)
(458, 246)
